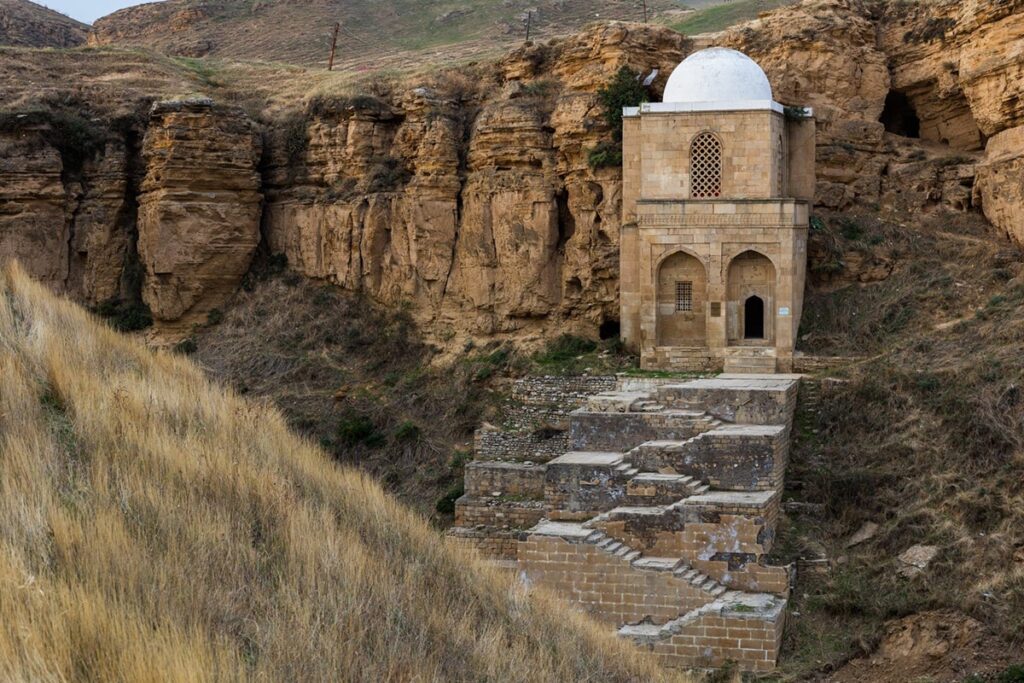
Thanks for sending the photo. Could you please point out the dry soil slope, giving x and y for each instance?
(155, 527)
(26, 24)
(299, 31)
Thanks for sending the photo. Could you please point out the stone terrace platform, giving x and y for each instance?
(657, 517)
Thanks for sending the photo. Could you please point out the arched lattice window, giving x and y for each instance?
(705, 167)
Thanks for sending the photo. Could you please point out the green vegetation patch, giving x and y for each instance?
(723, 16)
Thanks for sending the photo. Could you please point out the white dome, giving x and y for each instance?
(717, 74)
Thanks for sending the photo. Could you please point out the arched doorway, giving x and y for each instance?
(753, 318)
(682, 295)
(750, 300)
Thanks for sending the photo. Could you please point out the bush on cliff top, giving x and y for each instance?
(156, 527)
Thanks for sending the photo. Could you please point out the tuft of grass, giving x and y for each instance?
(158, 527)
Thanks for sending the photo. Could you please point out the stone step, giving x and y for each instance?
(654, 488)
(729, 457)
(745, 628)
(621, 431)
(745, 399)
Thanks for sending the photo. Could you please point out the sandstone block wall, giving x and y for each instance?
(508, 479)
(591, 431)
(493, 544)
(607, 586)
(498, 513)
(732, 401)
(736, 458)
(535, 424)
(712, 640)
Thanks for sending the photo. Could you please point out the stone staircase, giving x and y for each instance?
(751, 360)
(658, 519)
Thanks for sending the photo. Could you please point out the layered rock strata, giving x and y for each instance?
(199, 209)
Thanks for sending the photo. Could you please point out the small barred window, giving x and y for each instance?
(705, 167)
(684, 296)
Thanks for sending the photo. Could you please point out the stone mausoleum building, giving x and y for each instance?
(652, 503)
(717, 181)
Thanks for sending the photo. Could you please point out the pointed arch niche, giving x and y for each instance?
(750, 304)
(682, 297)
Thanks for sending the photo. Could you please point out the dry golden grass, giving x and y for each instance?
(156, 527)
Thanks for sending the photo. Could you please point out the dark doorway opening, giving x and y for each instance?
(753, 318)
(899, 116)
(609, 329)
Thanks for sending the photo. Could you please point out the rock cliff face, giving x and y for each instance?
(199, 209)
(27, 24)
(487, 218)
(468, 195)
(69, 226)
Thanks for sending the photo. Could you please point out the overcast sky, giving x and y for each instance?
(87, 10)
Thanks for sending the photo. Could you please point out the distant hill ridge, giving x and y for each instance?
(26, 24)
(298, 31)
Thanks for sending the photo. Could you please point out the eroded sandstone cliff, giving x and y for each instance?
(199, 208)
(467, 195)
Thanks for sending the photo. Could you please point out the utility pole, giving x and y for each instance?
(334, 45)
(529, 24)
(645, 11)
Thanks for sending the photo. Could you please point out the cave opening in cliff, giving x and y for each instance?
(899, 116)
(566, 220)
(609, 329)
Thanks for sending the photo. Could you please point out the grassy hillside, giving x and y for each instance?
(386, 34)
(924, 436)
(155, 527)
(26, 24)
(720, 16)
(359, 380)
(375, 33)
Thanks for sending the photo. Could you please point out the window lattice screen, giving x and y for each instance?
(684, 296)
(705, 167)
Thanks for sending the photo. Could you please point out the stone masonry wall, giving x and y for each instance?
(508, 479)
(713, 640)
(534, 426)
(744, 460)
(605, 585)
(498, 513)
(614, 431)
(538, 446)
(494, 544)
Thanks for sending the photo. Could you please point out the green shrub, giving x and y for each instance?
(446, 505)
(358, 429)
(624, 90)
(125, 316)
(565, 348)
(605, 155)
(1014, 674)
(407, 431)
(215, 317)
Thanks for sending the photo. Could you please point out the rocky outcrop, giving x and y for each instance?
(1000, 183)
(27, 24)
(468, 195)
(483, 213)
(67, 220)
(34, 206)
(199, 210)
